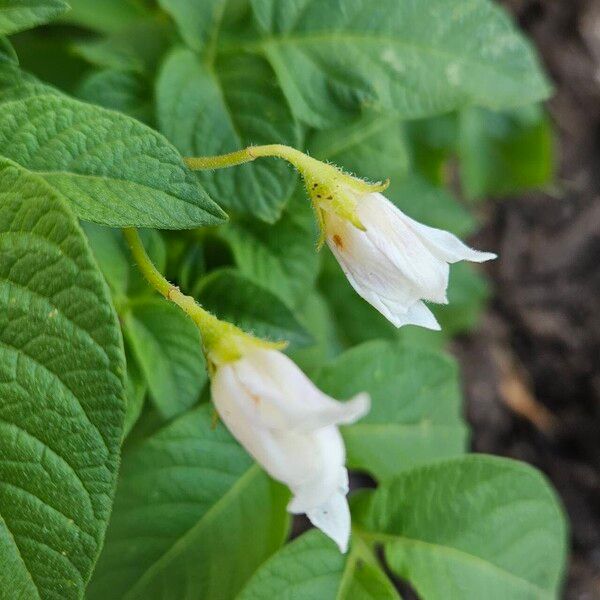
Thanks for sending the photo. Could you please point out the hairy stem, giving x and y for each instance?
(208, 324)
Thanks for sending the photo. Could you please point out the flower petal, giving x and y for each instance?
(447, 246)
(389, 230)
(333, 519)
(285, 398)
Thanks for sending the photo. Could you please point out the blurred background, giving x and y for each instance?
(532, 368)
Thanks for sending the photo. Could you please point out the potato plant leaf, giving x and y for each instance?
(62, 405)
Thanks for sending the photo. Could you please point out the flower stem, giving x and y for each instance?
(211, 328)
(300, 160)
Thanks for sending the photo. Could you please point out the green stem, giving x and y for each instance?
(301, 161)
(212, 329)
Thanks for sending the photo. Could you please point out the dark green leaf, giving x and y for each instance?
(193, 518)
(138, 47)
(233, 297)
(110, 168)
(127, 92)
(7, 52)
(17, 15)
(106, 16)
(209, 109)
(62, 405)
(372, 147)
(280, 257)
(168, 348)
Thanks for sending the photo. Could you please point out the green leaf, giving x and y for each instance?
(127, 92)
(106, 16)
(108, 167)
(47, 54)
(468, 292)
(312, 568)
(233, 297)
(207, 109)
(17, 15)
(280, 257)
(416, 407)
(413, 59)
(138, 47)
(136, 390)
(505, 153)
(7, 52)
(193, 517)
(472, 527)
(168, 348)
(372, 147)
(315, 315)
(115, 261)
(61, 395)
(197, 21)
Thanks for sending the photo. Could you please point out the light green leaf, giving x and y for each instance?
(17, 15)
(412, 58)
(472, 527)
(110, 168)
(233, 297)
(61, 395)
(505, 153)
(280, 257)
(207, 109)
(416, 406)
(127, 92)
(193, 517)
(372, 147)
(312, 568)
(198, 22)
(168, 348)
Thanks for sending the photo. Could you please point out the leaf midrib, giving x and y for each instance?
(178, 545)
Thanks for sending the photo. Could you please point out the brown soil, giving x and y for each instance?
(532, 370)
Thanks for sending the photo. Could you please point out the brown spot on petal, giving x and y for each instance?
(337, 240)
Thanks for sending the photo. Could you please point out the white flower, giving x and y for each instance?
(290, 427)
(396, 262)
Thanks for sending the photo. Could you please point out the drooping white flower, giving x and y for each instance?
(393, 261)
(291, 428)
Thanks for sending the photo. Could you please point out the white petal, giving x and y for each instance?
(283, 397)
(391, 232)
(419, 314)
(447, 246)
(333, 519)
